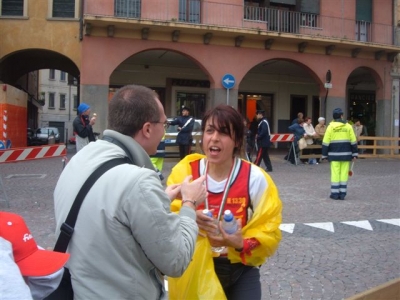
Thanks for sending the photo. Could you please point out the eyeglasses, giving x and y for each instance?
(165, 124)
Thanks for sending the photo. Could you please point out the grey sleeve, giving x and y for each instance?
(168, 239)
(12, 284)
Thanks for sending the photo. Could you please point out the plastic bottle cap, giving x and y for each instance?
(228, 216)
(207, 212)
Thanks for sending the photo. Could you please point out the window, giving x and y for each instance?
(52, 74)
(12, 8)
(75, 102)
(51, 100)
(363, 20)
(189, 11)
(62, 101)
(309, 20)
(63, 9)
(127, 8)
(63, 76)
(363, 31)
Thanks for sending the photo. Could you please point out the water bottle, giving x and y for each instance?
(229, 223)
(214, 249)
(207, 213)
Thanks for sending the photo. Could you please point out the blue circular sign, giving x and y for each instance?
(2, 146)
(228, 81)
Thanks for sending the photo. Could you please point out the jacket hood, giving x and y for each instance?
(336, 124)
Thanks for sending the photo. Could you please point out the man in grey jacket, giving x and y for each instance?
(125, 236)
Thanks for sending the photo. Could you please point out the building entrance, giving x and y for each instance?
(194, 101)
(362, 106)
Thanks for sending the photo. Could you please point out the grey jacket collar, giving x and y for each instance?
(138, 155)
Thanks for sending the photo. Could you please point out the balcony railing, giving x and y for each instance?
(233, 16)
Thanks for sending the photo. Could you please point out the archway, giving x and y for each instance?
(281, 87)
(362, 86)
(177, 78)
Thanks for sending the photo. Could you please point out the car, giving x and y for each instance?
(30, 134)
(43, 135)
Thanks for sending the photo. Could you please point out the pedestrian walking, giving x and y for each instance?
(263, 140)
(339, 146)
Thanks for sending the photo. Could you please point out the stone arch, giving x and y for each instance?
(21, 62)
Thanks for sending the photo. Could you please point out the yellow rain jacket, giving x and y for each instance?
(264, 226)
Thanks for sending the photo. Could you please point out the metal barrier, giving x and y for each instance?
(30, 153)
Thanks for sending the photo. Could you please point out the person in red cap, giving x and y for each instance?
(42, 269)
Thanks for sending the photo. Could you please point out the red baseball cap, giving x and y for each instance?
(31, 260)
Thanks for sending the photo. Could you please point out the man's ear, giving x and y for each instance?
(146, 129)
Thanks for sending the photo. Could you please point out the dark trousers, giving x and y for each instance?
(293, 153)
(238, 281)
(184, 150)
(262, 154)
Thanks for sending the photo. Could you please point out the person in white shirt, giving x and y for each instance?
(311, 134)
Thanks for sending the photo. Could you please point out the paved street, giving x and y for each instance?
(329, 250)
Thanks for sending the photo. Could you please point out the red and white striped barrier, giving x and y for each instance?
(282, 137)
(21, 154)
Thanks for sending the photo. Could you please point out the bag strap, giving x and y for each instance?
(67, 228)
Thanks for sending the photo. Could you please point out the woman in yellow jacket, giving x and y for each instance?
(252, 197)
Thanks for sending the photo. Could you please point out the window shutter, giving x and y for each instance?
(310, 6)
(288, 2)
(63, 8)
(364, 10)
(12, 8)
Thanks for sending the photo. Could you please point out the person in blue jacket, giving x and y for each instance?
(299, 132)
(185, 127)
(263, 141)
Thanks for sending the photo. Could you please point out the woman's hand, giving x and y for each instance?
(206, 223)
(224, 239)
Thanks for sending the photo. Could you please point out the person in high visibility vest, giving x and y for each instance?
(158, 158)
(339, 146)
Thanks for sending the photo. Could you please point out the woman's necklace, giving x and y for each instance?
(228, 184)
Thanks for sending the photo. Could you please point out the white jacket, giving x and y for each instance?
(125, 234)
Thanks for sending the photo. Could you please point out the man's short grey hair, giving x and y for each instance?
(131, 107)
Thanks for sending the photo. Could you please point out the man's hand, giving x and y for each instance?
(195, 190)
(173, 191)
(92, 121)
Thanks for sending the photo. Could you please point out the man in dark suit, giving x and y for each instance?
(263, 141)
(185, 127)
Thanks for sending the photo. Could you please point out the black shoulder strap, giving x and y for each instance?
(67, 228)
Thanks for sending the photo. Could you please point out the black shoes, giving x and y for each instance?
(336, 197)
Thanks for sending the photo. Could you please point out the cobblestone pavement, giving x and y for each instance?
(319, 257)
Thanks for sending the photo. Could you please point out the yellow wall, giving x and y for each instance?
(36, 30)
